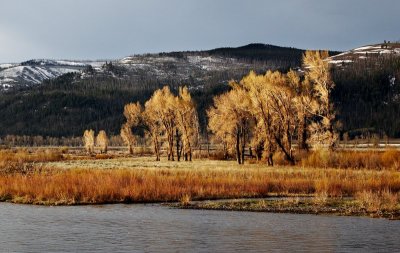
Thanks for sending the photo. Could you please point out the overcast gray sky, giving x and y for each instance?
(108, 29)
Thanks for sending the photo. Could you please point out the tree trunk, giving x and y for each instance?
(171, 147)
(302, 134)
(238, 158)
(243, 135)
(178, 153)
(225, 152)
(270, 160)
(156, 149)
(189, 150)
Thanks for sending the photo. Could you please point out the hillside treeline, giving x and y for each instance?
(69, 104)
(367, 96)
(284, 57)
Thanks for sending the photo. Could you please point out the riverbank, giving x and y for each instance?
(359, 206)
(46, 177)
(141, 180)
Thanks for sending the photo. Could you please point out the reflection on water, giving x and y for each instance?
(153, 228)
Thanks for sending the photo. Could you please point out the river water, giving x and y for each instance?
(155, 228)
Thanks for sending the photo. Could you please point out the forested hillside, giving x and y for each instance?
(366, 95)
(95, 97)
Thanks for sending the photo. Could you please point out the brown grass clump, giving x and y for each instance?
(185, 199)
(20, 160)
(389, 159)
(87, 186)
(24, 156)
(103, 156)
(379, 201)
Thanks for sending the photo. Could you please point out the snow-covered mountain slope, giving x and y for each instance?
(194, 67)
(34, 72)
(386, 49)
(165, 67)
(156, 66)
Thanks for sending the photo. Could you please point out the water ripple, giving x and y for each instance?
(153, 228)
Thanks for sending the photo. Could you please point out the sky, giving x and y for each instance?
(111, 29)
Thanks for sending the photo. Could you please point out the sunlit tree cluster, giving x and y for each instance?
(101, 140)
(88, 140)
(165, 118)
(269, 112)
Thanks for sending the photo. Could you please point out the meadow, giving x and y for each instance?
(62, 177)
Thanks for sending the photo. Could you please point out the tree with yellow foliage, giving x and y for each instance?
(153, 126)
(127, 137)
(273, 106)
(88, 140)
(230, 120)
(133, 115)
(102, 141)
(317, 76)
(161, 106)
(187, 121)
(303, 103)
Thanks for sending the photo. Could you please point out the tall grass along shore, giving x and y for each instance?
(59, 179)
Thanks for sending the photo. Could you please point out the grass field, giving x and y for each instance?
(141, 179)
(59, 177)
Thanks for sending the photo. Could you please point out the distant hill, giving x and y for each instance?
(365, 52)
(254, 52)
(39, 98)
(183, 65)
(367, 92)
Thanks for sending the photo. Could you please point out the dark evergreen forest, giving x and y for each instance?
(366, 96)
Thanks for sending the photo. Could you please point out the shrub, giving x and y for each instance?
(378, 201)
(391, 159)
(352, 159)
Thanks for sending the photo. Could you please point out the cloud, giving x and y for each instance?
(93, 29)
(14, 45)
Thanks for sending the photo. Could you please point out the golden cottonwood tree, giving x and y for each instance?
(88, 140)
(127, 137)
(322, 131)
(273, 106)
(263, 141)
(230, 120)
(164, 113)
(153, 127)
(133, 115)
(161, 106)
(303, 102)
(187, 121)
(102, 141)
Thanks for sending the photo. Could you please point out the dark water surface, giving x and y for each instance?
(154, 228)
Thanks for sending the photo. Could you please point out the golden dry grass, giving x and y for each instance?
(23, 155)
(86, 186)
(378, 201)
(130, 180)
(20, 160)
(388, 159)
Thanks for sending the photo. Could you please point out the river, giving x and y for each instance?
(156, 228)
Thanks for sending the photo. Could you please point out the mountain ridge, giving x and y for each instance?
(33, 72)
(94, 97)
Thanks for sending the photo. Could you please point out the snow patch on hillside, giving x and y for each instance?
(31, 74)
(364, 52)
